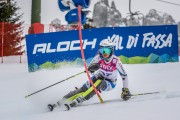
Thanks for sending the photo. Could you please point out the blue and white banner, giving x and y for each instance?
(146, 44)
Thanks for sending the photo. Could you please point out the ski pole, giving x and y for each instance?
(54, 84)
(146, 93)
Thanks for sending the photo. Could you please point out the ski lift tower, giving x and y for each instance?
(36, 26)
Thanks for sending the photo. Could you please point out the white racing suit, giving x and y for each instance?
(108, 72)
(104, 79)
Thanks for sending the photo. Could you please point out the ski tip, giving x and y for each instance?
(50, 107)
(67, 107)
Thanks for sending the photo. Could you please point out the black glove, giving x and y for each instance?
(93, 67)
(125, 95)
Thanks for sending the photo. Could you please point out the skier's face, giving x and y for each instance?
(105, 55)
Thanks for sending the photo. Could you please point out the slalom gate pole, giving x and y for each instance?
(54, 84)
(146, 93)
(82, 54)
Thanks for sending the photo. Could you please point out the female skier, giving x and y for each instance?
(104, 78)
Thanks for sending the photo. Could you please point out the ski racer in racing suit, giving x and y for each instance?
(104, 78)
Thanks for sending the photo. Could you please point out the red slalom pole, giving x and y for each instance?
(82, 54)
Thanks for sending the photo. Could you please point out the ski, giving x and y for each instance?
(68, 106)
(65, 106)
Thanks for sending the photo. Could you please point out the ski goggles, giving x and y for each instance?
(105, 50)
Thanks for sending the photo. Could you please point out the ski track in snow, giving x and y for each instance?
(16, 83)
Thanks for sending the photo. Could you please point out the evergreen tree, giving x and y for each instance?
(13, 30)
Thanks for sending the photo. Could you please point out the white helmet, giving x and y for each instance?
(107, 47)
(106, 42)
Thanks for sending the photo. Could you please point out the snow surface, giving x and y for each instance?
(16, 82)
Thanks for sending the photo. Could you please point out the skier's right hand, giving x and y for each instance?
(93, 67)
(125, 95)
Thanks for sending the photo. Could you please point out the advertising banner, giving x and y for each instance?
(144, 44)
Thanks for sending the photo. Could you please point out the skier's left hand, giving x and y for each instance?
(125, 95)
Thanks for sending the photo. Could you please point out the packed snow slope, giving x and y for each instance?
(16, 82)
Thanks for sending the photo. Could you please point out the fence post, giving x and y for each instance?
(2, 42)
(20, 53)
